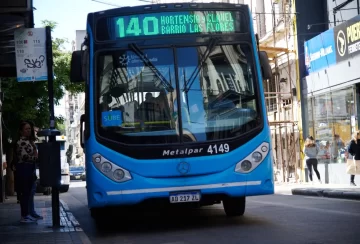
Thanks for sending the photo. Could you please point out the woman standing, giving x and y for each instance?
(354, 150)
(27, 156)
(311, 151)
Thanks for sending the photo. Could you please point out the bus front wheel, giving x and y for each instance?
(234, 206)
(95, 213)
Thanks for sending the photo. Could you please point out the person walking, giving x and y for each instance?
(354, 150)
(311, 151)
(25, 167)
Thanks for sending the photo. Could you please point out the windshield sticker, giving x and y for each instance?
(111, 118)
(125, 60)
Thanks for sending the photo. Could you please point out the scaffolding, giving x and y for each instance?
(281, 114)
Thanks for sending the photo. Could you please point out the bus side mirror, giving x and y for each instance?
(77, 68)
(265, 65)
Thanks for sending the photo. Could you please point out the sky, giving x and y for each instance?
(70, 16)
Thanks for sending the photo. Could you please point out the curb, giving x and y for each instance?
(352, 195)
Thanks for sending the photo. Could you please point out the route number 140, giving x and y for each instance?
(215, 149)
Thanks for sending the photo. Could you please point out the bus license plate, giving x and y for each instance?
(185, 197)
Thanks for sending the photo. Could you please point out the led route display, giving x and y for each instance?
(175, 23)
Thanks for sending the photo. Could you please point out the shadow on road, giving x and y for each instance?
(145, 220)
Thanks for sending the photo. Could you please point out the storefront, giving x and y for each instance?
(332, 93)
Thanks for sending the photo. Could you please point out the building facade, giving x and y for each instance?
(331, 88)
(74, 108)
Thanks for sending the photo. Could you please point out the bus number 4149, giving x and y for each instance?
(215, 149)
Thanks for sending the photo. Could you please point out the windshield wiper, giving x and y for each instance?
(149, 64)
(208, 50)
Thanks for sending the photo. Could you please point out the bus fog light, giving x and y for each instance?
(118, 174)
(106, 167)
(254, 159)
(246, 165)
(97, 159)
(257, 157)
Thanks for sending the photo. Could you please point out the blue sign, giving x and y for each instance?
(111, 118)
(320, 52)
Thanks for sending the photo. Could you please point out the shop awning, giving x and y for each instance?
(13, 14)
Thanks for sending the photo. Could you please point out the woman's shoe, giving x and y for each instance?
(352, 184)
(27, 219)
(36, 216)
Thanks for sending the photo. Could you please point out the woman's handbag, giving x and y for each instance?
(353, 167)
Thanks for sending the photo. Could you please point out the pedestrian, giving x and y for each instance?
(33, 190)
(311, 151)
(354, 150)
(25, 167)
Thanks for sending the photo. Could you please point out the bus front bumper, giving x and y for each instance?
(211, 188)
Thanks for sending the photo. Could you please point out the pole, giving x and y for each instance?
(55, 201)
(2, 180)
(49, 56)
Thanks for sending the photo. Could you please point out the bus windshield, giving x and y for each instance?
(137, 94)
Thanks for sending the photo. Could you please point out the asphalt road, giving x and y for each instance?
(268, 219)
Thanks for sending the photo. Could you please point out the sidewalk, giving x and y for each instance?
(319, 190)
(12, 231)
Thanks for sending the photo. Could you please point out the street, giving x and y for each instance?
(268, 219)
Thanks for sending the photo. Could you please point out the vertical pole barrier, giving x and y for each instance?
(51, 134)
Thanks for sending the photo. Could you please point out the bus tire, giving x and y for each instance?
(234, 206)
(97, 213)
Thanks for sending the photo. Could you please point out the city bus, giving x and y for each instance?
(175, 109)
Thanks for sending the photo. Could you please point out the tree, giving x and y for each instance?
(61, 128)
(30, 100)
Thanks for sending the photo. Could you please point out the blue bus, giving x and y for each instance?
(175, 109)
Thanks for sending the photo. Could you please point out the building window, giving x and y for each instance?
(330, 117)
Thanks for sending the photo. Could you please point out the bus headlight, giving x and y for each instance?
(106, 167)
(118, 174)
(110, 170)
(253, 160)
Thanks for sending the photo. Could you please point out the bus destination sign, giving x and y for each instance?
(175, 23)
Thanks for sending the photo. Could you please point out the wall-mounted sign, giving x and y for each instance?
(333, 46)
(320, 52)
(347, 36)
(30, 51)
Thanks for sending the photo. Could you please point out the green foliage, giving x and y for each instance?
(29, 101)
(61, 128)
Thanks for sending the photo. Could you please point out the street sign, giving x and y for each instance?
(30, 49)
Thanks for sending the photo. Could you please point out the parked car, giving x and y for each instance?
(77, 173)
